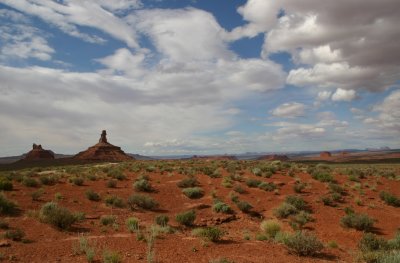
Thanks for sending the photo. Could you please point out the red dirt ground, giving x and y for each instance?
(51, 245)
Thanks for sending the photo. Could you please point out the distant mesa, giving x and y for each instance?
(273, 157)
(214, 157)
(325, 155)
(103, 151)
(38, 153)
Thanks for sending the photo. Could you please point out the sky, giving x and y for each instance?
(169, 77)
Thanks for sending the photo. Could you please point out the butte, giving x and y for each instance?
(103, 151)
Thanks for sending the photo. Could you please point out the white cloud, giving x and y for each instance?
(388, 119)
(343, 95)
(20, 40)
(324, 95)
(289, 110)
(346, 44)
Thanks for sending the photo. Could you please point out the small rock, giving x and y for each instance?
(4, 243)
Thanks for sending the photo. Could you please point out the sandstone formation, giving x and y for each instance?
(38, 153)
(325, 155)
(273, 157)
(103, 151)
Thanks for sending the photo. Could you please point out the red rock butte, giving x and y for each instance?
(38, 153)
(103, 151)
(325, 155)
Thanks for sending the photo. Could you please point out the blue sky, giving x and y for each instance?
(199, 77)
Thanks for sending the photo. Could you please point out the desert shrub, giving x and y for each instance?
(328, 201)
(239, 189)
(335, 188)
(6, 206)
(298, 187)
(142, 185)
(370, 242)
(186, 218)
(233, 197)
(57, 216)
(212, 234)
(142, 201)
(270, 228)
(299, 220)
(244, 206)
(3, 224)
(14, 234)
(35, 195)
(221, 260)
(107, 220)
(187, 182)
(221, 207)
(161, 220)
(111, 257)
(267, 186)
(256, 171)
(5, 185)
(285, 210)
(253, 182)
(132, 223)
(92, 195)
(111, 183)
(296, 201)
(336, 197)
(303, 244)
(30, 182)
(77, 181)
(227, 182)
(390, 257)
(390, 199)
(193, 192)
(48, 180)
(116, 174)
(357, 221)
(114, 201)
(322, 176)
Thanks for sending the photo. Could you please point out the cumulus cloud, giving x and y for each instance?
(389, 113)
(343, 95)
(324, 95)
(289, 110)
(348, 44)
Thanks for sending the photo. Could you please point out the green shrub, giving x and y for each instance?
(270, 228)
(285, 210)
(111, 257)
(322, 176)
(390, 199)
(244, 206)
(357, 221)
(114, 201)
(186, 218)
(3, 224)
(296, 201)
(390, 257)
(132, 223)
(142, 185)
(48, 180)
(253, 183)
(57, 216)
(239, 189)
(193, 192)
(267, 186)
(30, 182)
(188, 182)
(77, 181)
(92, 195)
(141, 201)
(212, 234)
(107, 220)
(227, 182)
(335, 188)
(6, 206)
(298, 187)
(111, 183)
(35, 195)
(161, 220)
(303, 244)
(328, 201)
(370, 242)
(5, 185)
(15, 234)
(221, 207)
(300, 219)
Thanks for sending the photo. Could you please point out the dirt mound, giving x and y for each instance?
(273, 157)
(103, 151)
(38, 153)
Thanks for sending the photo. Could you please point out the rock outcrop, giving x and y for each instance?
(103, 151)
(38, 153)
(325, 155)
